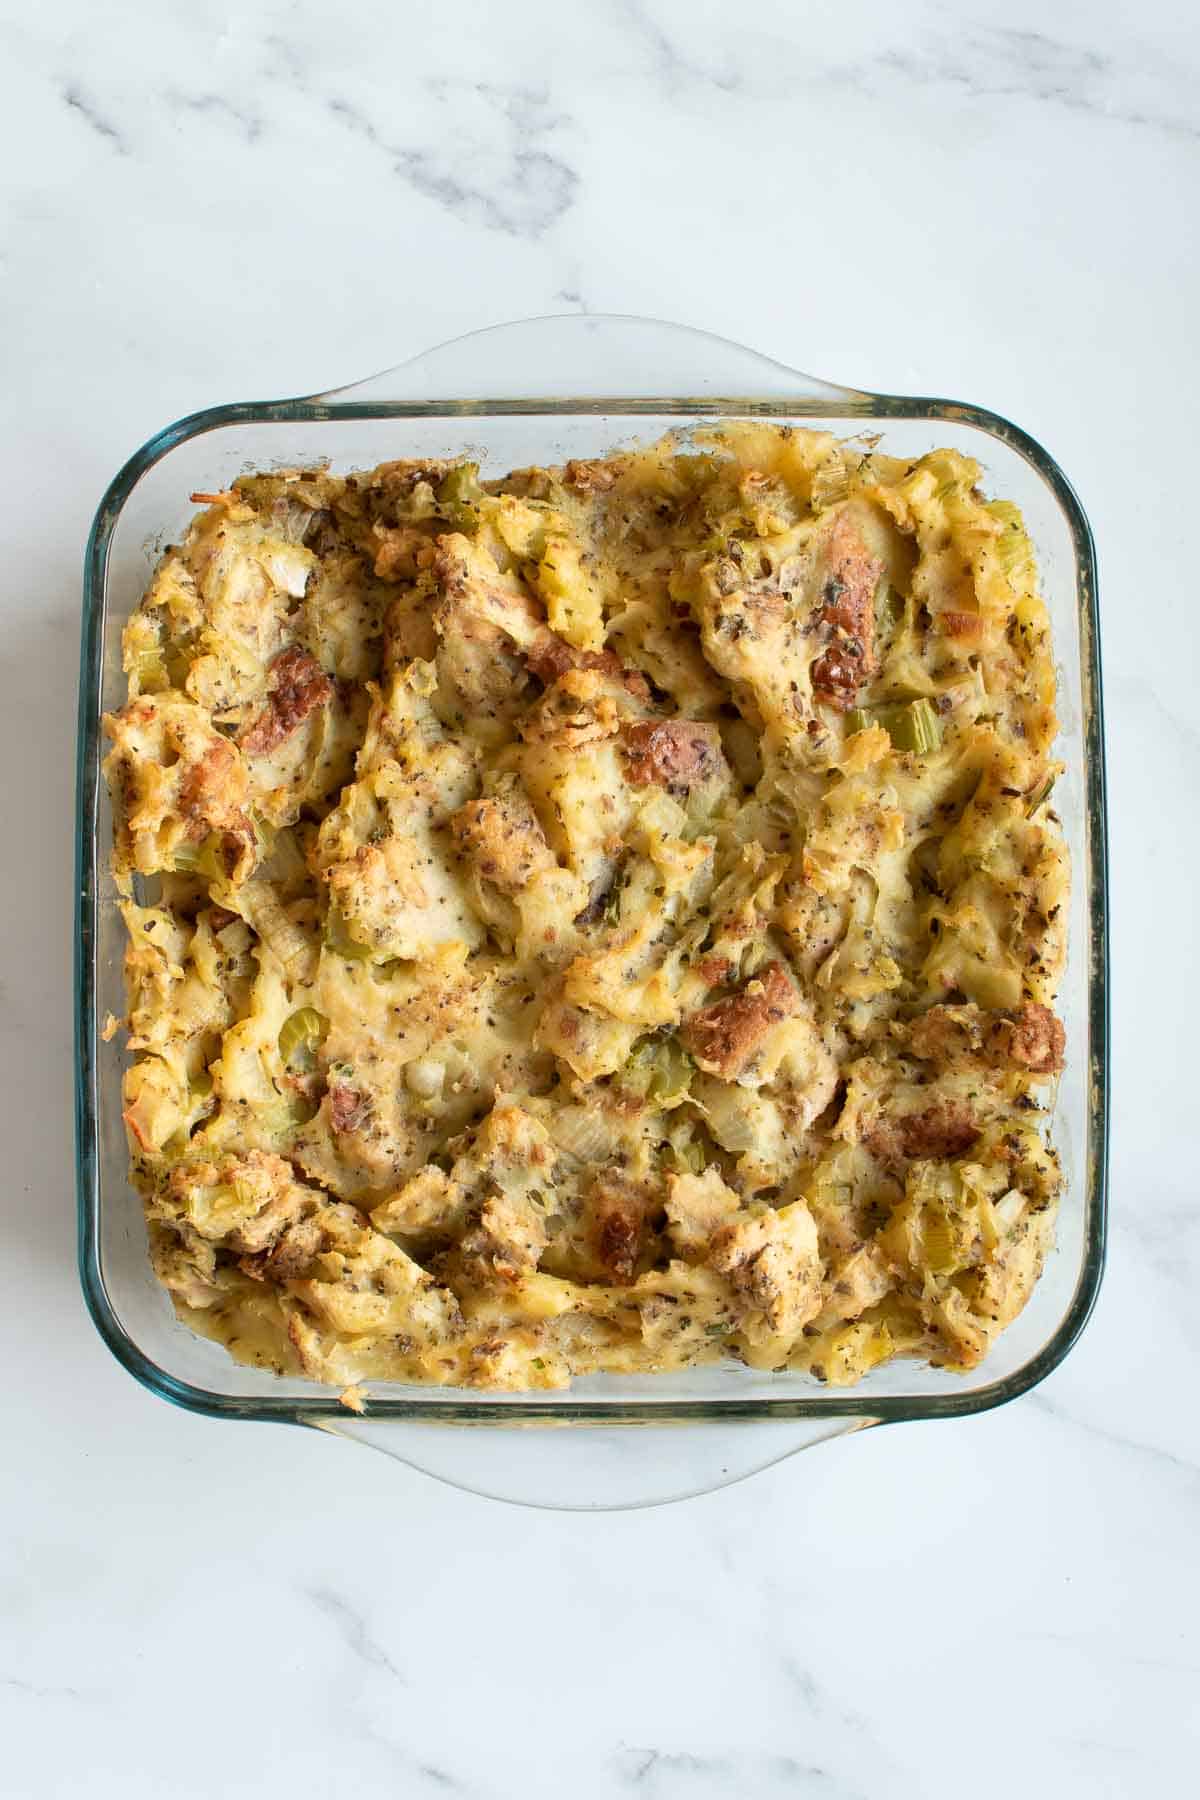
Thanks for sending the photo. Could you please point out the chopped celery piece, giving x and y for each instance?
(175, 1146)
(941, 1244)
(912, 725)
(338, 939)
(264, 834)
(856, 1348)
(831, 480)
(150, 671)
(1041, 797)
(659, 1070)
(459, 495)
(300, 1035)
(179, 665)
(185, 858)
(200, 1086)
(670, 1080)
(612, 904)
(889, 609)
(1014, 552)
(685, 1158)
(203, 858)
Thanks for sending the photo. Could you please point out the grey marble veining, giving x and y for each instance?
(519, 187)
(645, 1771)
(352, 1628)
(79, 102)
(1005, 63)
(220, 110)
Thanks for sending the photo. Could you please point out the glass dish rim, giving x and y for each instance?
(826, 1403)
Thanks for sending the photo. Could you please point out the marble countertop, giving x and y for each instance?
(210, 201)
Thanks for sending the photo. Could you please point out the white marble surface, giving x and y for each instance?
(208, 201)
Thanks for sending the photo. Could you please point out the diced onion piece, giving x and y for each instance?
(459, 495)
(732, 1114)
(425, 1077)
(1009, 1208)
(582, 1132)
(301, 1034)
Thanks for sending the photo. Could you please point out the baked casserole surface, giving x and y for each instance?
(607, 918)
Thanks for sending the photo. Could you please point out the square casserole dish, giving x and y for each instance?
(541, 391)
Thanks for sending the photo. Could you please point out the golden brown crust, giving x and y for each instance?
(717, 971)
(398, 552)
(1029, 1039)
(947, 1128)
(677, 754)
(506, 847)
(590, 476)
(724, 1035)
(211, 796)
(347, 1107)
(960, 624)
(1036, 1039)
(773, 1262)
(618, 1210)
(296, 686)
(289, 1257)
(847, 618)
(552, 656)
(949, 1035)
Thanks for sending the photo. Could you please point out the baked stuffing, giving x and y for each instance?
(606, 918)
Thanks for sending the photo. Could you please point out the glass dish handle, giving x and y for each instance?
(581, 357)
(592, 1468)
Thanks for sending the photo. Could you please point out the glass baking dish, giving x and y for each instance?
(543, 390)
